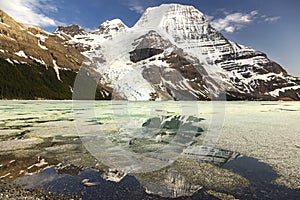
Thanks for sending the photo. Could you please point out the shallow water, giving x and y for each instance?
(144, 139)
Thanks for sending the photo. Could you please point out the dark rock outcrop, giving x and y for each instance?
(142, 54)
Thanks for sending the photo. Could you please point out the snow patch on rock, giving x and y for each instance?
(56, 69)
(21, 54)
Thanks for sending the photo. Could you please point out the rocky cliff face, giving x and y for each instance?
(20, 43)
(36, 64)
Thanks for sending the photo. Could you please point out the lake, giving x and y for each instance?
(152, 150)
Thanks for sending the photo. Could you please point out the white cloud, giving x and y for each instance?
(230, 29)
(136, 6)
(30, 12)
(209, 17)
(234, 21)
(272, 19)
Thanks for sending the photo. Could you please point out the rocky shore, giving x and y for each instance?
(9, 191)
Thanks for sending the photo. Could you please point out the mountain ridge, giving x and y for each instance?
(173, 53)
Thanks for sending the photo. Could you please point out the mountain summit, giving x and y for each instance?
(182, 22)
(171, 53)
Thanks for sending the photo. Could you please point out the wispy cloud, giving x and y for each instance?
(272, 19)
(136, 6)
(31, 12)
(209, 17)
(233, 21)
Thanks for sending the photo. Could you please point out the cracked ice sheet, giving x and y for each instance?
(268, 131)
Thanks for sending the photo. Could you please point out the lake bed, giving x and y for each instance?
(157, 149)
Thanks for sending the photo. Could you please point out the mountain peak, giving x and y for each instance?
(71, 30)
(181, 21)
(172, 7)
(156, 15)
(111, 27)
(116, 21)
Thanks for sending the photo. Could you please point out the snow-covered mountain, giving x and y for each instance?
(173, 52)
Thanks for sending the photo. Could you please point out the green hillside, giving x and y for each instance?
(35, 81)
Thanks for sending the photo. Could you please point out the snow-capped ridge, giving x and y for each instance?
(111, 27)
(181, 22)
(174, 53)
(115, 21)
(156, 16)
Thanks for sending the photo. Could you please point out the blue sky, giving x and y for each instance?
(271, 26)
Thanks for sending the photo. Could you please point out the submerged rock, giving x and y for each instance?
(186, 177)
